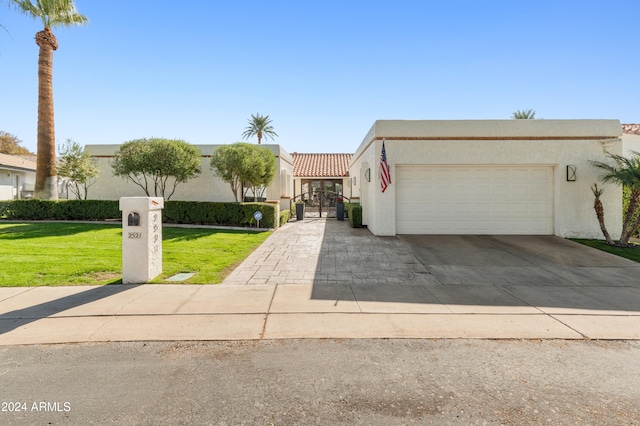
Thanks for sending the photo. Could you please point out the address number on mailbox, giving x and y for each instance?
(134, 235)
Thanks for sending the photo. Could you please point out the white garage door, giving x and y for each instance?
(474, 200)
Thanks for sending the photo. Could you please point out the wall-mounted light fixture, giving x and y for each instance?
(571, 173)
(354, 181)
(367, 175)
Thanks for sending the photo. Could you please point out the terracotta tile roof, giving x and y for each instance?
(321, 165)
(631, 129)
(16, 162)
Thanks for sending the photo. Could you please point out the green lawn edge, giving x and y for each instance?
(631, 253)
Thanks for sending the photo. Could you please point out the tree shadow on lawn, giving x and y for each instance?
(11, 320)
(190, 234)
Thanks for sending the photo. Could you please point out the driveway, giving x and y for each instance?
(489, 281)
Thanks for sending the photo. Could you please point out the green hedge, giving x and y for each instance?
(35, 209)
(224, 214)
(191, 212)
(626, 195)
(354, 211)
(285, 215)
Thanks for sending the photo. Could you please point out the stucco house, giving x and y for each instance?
(486, 177)
(205, 187)
(630, 138)
(17, 177)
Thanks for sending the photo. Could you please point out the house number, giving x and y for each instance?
(134, 235)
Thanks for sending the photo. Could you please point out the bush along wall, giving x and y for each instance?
(285, 215)
(223, 214)
(188, 212)
(354, 211)
(626, 198)
(34, 209)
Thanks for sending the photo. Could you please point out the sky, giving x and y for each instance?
(324, 71)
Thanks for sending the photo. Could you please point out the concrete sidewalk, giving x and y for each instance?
(322, 279)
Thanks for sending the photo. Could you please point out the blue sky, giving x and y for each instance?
(323, 71)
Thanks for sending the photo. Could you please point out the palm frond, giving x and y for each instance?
(52, 13)
(524, 115)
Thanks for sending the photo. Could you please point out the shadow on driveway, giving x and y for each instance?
(477, 270)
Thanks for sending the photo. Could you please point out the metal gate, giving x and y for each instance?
(318, 203)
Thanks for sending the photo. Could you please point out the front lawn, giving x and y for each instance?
(51, 254)
(632, 253)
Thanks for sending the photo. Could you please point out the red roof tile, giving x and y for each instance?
(632, 129)
(321, 165)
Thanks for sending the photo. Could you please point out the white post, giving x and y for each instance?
(141, 238)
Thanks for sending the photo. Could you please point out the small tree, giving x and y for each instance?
(261, 171)
(625, 172)
(10, 144)
(599, 208)
(156, 164)
(243, 162)
(76, 165)
(524, 115)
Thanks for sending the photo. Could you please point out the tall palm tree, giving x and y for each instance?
(524, 115)
(626, 173)
(52, 13)
(260, 126)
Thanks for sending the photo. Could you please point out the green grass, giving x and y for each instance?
(52, 254)
(632, 253)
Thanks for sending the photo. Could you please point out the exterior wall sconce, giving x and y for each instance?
(367, 175)
(354, 181)
(571, 173)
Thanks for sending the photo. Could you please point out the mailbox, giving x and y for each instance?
(141, 238)
(133, 219)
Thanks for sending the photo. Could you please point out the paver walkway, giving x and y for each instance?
(318, 251)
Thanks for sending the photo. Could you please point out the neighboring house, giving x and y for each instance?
(630, 138)
(205, 187)
(487, 177)
(17, 177)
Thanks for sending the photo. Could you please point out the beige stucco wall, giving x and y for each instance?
(205, 187)
(630, 143)
(555, 143)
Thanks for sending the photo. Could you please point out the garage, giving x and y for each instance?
(509, 177)
(470, 199)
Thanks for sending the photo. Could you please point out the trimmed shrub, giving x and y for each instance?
(285, 215)
(35, 209)
(354, 211)
(223, 214)
(190, 212)
(626, 194)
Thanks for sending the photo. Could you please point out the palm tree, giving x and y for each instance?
(599, 208)
(52, 13)
(259, 125)
(625, 172)
(524, 115)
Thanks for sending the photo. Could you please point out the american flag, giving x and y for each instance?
(385, 173)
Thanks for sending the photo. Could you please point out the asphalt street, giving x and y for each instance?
(327, 382)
